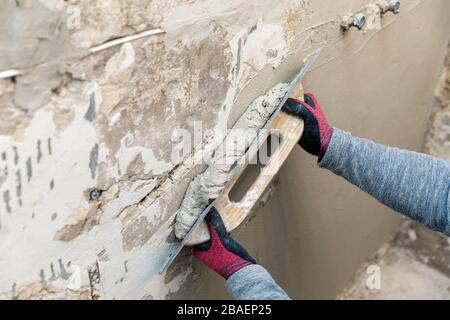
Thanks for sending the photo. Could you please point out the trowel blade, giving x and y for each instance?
(175, 248)
(307, 64)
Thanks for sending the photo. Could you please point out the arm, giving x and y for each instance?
(245, 279)
(411, 183)
(254, 283)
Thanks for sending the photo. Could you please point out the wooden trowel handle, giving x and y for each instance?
(289, 129)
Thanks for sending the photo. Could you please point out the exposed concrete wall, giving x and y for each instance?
(76, 119)
(438, 135)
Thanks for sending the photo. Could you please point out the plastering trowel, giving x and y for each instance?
(289, 129)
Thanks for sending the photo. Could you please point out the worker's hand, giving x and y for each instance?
(317, 132)
(221, 253)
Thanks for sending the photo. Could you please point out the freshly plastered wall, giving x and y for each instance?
(89, 183)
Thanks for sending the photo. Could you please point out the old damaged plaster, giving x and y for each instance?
(77, 122)
(88, 188)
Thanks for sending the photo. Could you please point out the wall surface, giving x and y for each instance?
(88, 181)
(438, 136)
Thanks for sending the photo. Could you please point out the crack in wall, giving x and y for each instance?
(94, 281)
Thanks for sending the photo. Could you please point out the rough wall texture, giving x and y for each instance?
(88, 184)
(438, 136)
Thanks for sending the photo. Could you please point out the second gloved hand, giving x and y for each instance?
(221, 253)
(317, 132)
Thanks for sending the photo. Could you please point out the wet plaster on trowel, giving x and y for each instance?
(211, 182)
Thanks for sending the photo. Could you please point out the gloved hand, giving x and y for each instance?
(221, 253)
(317, 132)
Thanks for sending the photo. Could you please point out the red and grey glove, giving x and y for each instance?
(221, 253)
(317, 132)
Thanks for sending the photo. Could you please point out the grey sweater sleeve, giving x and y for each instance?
(411, 183)
(254, 283)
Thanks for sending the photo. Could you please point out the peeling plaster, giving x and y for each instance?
(73, 120)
